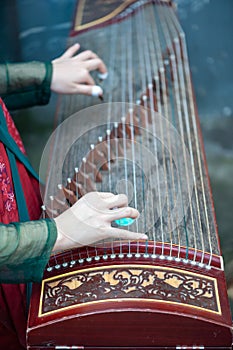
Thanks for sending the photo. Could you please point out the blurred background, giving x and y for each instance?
(38, 30)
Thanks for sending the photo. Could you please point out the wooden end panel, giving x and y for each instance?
(119, 305)
(131, 328)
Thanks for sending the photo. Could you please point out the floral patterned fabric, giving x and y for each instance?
(8, 209)
(13, 297)
(7, 197)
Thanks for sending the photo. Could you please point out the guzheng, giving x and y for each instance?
(144, 140)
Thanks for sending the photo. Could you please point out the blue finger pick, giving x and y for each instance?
(124, 221)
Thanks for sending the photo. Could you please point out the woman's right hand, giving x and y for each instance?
(89, 221)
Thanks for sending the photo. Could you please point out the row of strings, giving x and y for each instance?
(149, 144)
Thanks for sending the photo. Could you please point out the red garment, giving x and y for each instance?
(13, 297)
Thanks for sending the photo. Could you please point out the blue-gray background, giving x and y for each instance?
(32, 29)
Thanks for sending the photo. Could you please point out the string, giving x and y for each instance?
(131, 99)
(144, 59)
(188, 79)
(129, 77)
(175, 86)
(169, 112)
(152, 67)
(189, 137)
(112, 59)
(160, 70)
(154, 53)
(141, 81)
(124, 99)
(164, 73)
(115, 130)
(112, 63)
(157, 74)
(186, 117)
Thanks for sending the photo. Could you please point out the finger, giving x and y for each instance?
(119, 200)
(124, 234)
(97, 200)
(71, 51)
(96, 63)
(105, 195)
(103, 76)
(86, 55)
(121, 213)
(89, 80)
(91, 90)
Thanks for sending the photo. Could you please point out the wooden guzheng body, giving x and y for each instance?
(169, 292)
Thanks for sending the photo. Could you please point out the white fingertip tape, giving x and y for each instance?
(97, 91)
(103, 75)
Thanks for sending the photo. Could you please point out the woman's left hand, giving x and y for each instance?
(71, 72)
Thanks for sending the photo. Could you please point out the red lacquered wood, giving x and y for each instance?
(132, 322)
(132, 328)
(161, 250)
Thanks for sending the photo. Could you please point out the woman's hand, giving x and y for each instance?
(89, 220)
(71, 73)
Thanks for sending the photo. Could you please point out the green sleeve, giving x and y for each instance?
(25, 84)
(25, 248)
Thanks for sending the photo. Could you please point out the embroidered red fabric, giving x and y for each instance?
(13, 297)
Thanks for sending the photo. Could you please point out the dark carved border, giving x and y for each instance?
(129, 282)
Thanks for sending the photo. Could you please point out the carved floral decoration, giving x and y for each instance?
(120, 282)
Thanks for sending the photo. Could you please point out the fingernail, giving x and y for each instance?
(144, 236)
(103, 76)
(97, 91)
